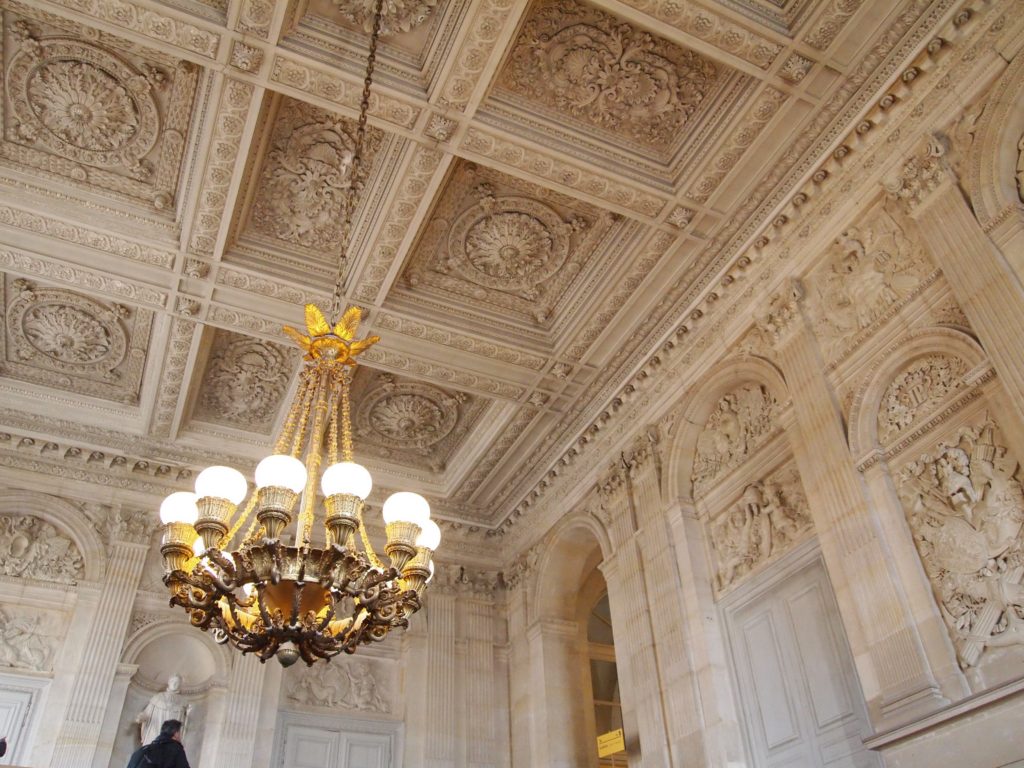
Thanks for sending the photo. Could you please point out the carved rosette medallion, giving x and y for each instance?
(407, 415)
(397, 15)
(94, 109)
(245, 382)
(92, 346)
(608, 74)
(742, 421)
(509, 243)
(770, 517)
(82, 102)
(917, 390)
(305, 177)
(965, 506)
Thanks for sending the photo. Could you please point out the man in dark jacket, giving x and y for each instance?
(165, 751)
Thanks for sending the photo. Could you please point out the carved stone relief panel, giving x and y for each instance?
(99, 111)
(872, 268)
(64, 339)
(768, 519)
(363, 685)
(31, 548)
(300, 189)
(609, 78)
(742, 421)
(965, 507)
(29, 637)
(245, 382)
(916, 390)
(410, 421)
(504, 245)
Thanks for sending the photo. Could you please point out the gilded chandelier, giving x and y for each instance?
(269, 597)
(272, 590)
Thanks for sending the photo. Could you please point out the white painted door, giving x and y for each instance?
(311, 747)
(800, 697)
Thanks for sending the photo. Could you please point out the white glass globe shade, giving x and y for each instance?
(346, 477)
(179, 507)
(430, 535)
(280, 471)
(431, 566)
(198, 547)
(222, 483)
(406, 507)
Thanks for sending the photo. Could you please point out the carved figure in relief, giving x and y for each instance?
(769, 517)
(350, 684)
(169, 704)
(869, 269)
(32, 548)
(741, 421)
(965, 506)
(22, 644)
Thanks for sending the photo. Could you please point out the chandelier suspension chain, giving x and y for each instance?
(355, 168)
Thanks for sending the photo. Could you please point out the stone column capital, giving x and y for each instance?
(914, 182)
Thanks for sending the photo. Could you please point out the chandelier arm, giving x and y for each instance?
(313, 459)
(367, 546)
(240, 519)
(291, 421)
(346, 414)
(355, 168)
(307, 403)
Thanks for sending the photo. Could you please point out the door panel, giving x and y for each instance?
(795, 680)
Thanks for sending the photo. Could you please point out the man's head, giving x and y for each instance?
(171, 729)
(174, 683)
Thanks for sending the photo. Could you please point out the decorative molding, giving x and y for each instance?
(475, 50)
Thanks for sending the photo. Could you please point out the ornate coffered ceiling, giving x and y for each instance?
(554, 188)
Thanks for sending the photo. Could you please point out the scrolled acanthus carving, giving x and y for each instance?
(607, 73)
(742, 421)
(305, 178)
(770, 517)
(916, 390)
(398, 15)
(965, 507)
(31, 548)
(245, 381)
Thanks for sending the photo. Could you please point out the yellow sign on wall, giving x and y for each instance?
(610, 743)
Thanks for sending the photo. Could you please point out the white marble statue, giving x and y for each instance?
(169, 704)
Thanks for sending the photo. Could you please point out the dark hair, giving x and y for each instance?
(170, 727)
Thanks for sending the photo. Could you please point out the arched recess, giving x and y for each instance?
(159, 631)
(578, 543)
(65, 517)
(901, 355)
(700, 402)
(560, 719)
(992, 161)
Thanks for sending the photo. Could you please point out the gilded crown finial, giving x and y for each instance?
(337, 343)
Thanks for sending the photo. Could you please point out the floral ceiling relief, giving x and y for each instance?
(741, 422)
(917, 390)
(502, 243)
(398, 15)
(604, 73)
(409, 420)
(768, 519)
(871, 269)
(245, 382)
(64, 339)
(965, 506)
(96, 111)
(305, 177)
